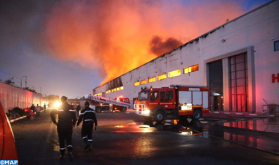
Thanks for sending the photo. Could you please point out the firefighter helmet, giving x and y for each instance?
(63, 98)
(87, 104)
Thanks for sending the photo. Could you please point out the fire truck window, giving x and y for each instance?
(154, 95)
(162, 96)
(169, 95)
(143, 95)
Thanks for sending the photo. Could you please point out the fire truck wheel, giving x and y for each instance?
(98, 109)
(159, 126)
(196, 114)
(159, 116)
(124, 109)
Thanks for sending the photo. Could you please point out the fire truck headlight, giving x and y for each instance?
(146, 112)
(186, 107)
(57, 104)
(187, 133)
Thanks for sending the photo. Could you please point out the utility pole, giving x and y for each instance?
(25, 81)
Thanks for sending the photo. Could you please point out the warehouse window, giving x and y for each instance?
(143, 82)
(191, 68)
(175, 73)
(136, 84)
(153, 79)
(276, 45)
(116, 89)
(161, 77)
(98, 94)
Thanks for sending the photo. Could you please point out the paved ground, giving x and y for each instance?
(123, 138)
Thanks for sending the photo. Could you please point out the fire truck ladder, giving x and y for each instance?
(107, 100)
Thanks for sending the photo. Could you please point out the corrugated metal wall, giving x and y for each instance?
(11, 97)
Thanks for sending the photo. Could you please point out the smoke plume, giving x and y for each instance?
(115, 36)
(159, 47)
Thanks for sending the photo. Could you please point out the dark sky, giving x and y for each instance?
(69, 47)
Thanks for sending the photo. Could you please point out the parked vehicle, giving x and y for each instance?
(29, 114)
(174, 102)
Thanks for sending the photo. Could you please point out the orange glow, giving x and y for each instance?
(117, 36)
(191, 68)
(161, 77)
(143, 82)
(136, 84)
(175, 73)
(98, 94)
(153, 79)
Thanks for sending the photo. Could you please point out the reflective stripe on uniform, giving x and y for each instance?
(90, 140)
(84, 137)
(62, 148)
(69, 110)
(88, 111)
(69, 146)
(88, 120)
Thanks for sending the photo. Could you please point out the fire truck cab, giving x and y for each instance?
(174, 102)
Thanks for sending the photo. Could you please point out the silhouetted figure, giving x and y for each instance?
(88, 117)
(66, 121)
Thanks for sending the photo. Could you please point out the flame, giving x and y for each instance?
(117, 36)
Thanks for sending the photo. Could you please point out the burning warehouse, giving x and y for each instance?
(238, 61)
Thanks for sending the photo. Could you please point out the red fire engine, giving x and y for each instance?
(102, 103)
(174, 102)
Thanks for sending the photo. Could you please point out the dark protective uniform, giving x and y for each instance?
(89, 118)
(33, 108)
(66, 120)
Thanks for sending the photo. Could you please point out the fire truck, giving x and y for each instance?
(102, 103)
(174, 102)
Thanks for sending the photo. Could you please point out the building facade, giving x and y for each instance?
(238, 61)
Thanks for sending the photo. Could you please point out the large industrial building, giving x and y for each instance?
(238, 61)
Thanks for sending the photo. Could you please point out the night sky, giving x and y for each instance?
(70, 47)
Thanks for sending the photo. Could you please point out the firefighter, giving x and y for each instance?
(66, 121)
(89, 118)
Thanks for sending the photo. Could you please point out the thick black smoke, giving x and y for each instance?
(159, 47)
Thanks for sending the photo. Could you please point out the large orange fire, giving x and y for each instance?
(115, 36)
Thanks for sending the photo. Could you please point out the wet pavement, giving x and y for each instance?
(257, 133)
(256, 124)
(123, 138)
